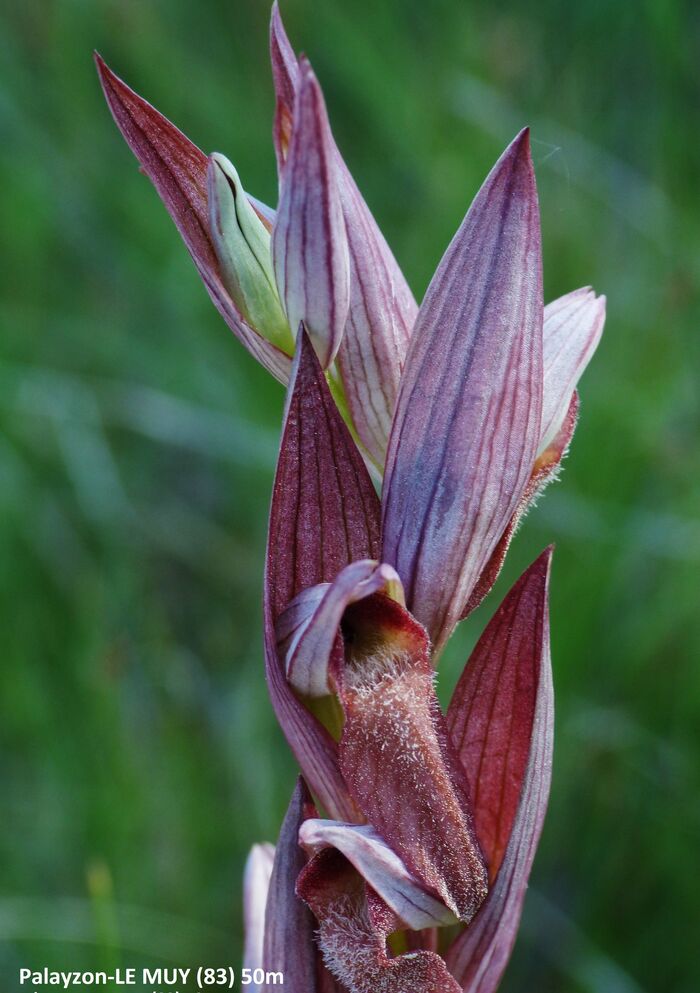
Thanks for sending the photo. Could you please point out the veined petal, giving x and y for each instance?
(478, 957)
(573, 325)
(381, 318)
(289, 945)
(256, 883)
(396, 758)
(309, 243)
(467, 422)
(490, 717)
(382, 308)
(178, 170)
(308, 628)
(354, 924)
(381, 868)
(324, 515)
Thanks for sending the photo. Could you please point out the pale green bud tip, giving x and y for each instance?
(242, 245)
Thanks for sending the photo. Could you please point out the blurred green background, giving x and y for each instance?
(139, 758)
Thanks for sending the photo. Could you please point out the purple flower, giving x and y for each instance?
(403, 860)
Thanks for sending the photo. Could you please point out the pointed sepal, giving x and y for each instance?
(467, 422)
(324, 515)
(501, 720)
(382, 308)
(178, 170)
(309, 243)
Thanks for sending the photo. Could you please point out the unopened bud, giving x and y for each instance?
(242, 244)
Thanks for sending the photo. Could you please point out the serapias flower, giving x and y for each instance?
(422, 810)
(377, 924)
(404, 857)
(371, 300)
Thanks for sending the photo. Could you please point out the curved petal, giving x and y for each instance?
(467, 422)
(178, 170)
(309, 244)
(478, 957)
(573, 325)
(308, 628)
(324, 516)
(381, 868)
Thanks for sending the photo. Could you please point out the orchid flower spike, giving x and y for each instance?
(404, 857)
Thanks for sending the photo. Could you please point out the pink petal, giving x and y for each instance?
(178, 170)
(307, 629)
(309, 244)
(545, 470)
(324, 516)
(381, 868)
(256, 882)
(467, 422)
(396, 758)
(285, 74)
(289, 945)
(511, 753)
(380, 321)
(382, 307)
(353, 928)
(573, 325)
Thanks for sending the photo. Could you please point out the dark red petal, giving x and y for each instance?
(353, 927)
(491, 714)
(324, 515)
(178, 170)
(479, 955)
(467, 421)
(395, 757)
(289, 945)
